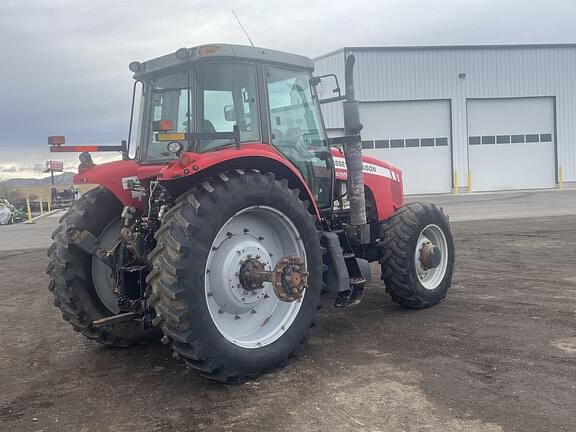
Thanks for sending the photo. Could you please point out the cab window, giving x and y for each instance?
(228, 97)
(170, 100)
(297, 130)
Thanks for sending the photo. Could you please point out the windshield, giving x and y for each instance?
(212, 99)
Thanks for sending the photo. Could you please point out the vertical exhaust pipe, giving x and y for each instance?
(353, 153)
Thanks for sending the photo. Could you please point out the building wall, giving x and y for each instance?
(392, 74)
(331, 63)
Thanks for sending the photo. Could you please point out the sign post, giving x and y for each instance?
(52, 167)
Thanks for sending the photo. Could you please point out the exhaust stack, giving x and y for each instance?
(353, 152)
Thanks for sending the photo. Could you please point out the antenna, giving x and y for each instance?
(242, 27)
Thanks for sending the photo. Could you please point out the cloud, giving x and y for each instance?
(29, 166)
(38, 168)
(28, 169)
(9, 169)
(19, 168)
(64, 62)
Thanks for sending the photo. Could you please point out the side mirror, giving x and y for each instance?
(229, 113)
(325, 82)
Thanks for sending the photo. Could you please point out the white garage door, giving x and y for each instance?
(414, 136)
(511, 143)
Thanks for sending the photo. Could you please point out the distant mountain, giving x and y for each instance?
(61, 179)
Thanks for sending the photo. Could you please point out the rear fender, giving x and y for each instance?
(116, 177)
(178, 179)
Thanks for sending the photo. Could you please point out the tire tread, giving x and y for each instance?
(396, 255)
(171, 303)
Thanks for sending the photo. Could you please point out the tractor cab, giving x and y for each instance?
(217, 97)
(219, 104)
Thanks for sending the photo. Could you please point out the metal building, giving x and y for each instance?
(480, 118)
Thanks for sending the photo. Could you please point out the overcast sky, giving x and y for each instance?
(63, 63)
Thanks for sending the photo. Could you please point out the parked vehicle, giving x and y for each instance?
(9, 214)
(5, 214)
(64, 198)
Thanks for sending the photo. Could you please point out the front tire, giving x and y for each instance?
(413, 276)
(228, 333)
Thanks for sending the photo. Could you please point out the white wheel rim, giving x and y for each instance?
(251, 319)
(102, 277)
(432, 277)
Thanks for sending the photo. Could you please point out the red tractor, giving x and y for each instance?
(236, 214)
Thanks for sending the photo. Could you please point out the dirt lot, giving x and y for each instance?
(498, 355)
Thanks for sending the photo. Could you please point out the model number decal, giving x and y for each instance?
(340, 163)
(129, 183)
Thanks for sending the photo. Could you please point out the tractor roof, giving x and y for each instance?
(215, 52)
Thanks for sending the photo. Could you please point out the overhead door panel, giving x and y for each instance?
(511, 143)
(413, 135)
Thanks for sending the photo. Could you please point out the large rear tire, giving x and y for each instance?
(73, 273)
(228, 333)
(408, 272)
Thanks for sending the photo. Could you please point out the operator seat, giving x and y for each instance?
(208, 127)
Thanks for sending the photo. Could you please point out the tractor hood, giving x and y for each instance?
(371, 167)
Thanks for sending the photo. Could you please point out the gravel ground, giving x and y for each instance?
(498, 355)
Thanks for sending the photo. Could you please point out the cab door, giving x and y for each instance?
(296, 129)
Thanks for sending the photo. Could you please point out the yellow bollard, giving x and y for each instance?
(29, 210)
(469, 181)
(49, 206)
(41, 207)
(455, 181)
(560, 178)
